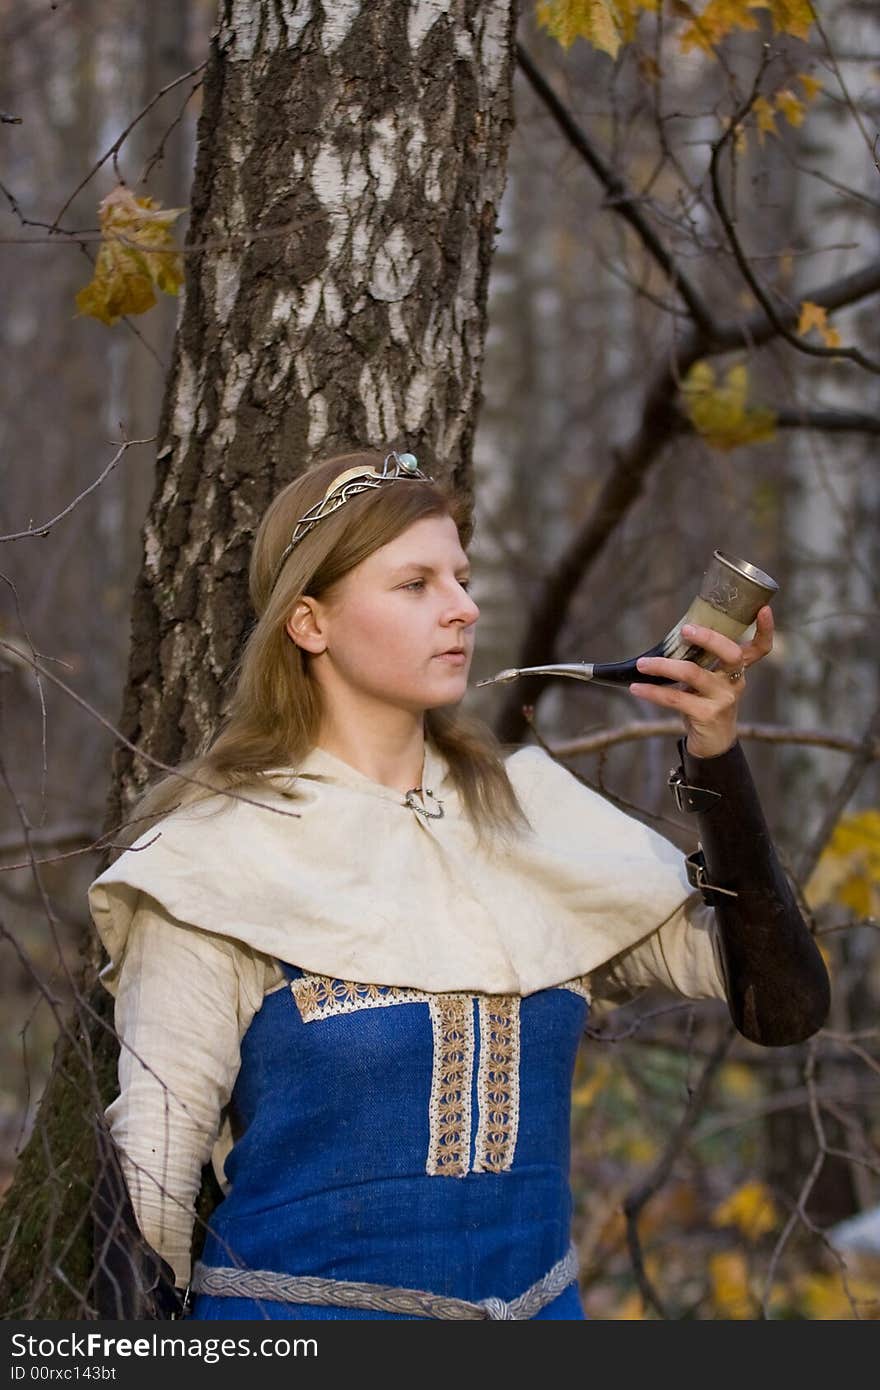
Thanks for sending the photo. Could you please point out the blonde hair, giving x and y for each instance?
(274, 710)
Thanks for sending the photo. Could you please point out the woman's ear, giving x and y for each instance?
(306, 626)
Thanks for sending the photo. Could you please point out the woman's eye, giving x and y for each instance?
(420, 584)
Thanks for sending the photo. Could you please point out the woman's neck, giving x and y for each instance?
(392, 757)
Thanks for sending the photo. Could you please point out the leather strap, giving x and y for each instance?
(687, 797)
(698, 877)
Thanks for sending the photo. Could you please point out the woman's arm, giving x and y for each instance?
(776, 982)
(184, 1000)
(682, 956)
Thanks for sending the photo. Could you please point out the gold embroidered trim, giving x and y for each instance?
(322, 996)
(454, 1054)
(498, 1082)
(449, 1113)
(580, 984)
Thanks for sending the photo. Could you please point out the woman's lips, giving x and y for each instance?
(454, 658)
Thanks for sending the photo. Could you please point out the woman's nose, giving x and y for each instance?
(466, 610)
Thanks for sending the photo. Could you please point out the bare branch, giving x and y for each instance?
(47, 525)
(619, 196)
(635, 730)
(123, 136)
(778, 321)
(138, 752)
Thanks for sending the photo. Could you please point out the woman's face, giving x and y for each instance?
(383, 629)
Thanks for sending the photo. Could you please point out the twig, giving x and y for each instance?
(121, 138)
(620, 197)
(139, 752)
(46, 527)
(778, 322)
(635, 730)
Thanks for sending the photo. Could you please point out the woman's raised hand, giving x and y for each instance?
(709, 701)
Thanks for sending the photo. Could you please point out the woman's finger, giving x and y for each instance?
(762, 642)
(688, 671)
(728, 652)
(687, 702)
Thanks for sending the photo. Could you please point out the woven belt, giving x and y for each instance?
(226, 1282)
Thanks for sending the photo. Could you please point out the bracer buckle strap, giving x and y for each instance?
(696, 867)
(688, 797)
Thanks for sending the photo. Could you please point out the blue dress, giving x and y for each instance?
(397, 1136)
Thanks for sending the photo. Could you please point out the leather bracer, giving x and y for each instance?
(130, 1281)
(776, 982)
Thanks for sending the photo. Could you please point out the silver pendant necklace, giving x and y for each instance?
(421, 810)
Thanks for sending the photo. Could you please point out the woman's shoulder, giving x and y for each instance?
(532, 766)
(560, 799)
(529, 757)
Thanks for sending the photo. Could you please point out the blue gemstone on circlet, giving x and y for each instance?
(408, 462)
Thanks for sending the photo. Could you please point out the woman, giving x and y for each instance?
(356, 954)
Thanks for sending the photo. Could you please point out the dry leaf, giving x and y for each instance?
(765, 118)
(136, 257)
(848, 871)
(729, 1282)
(791, 106)
(606, 24)
(750, 1209)
(720, 412)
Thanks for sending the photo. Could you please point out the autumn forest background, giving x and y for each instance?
(611, 267)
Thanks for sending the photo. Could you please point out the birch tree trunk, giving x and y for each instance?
(351, 159)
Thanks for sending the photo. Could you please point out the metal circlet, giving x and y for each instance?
(347, 485)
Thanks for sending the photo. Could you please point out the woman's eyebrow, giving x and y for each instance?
(424, 569)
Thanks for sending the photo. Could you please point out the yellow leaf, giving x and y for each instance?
(729, 1282)
(719, 412)
(825, 1296)
(740, 1081)
(789, 16)
(739, 135)
(750, 1209)
(814, 316)
(567, 20)
(811, 85)
(714, 22)
(856, 893)
(606, 24)
(586, 1093)
(858, 833)
(719, 18)
(811, 316)
(791, 106)
(848, 871)
(765, 118)
(136, 256)
(638, 1148)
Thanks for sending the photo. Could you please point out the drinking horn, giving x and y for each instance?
(730, 595)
